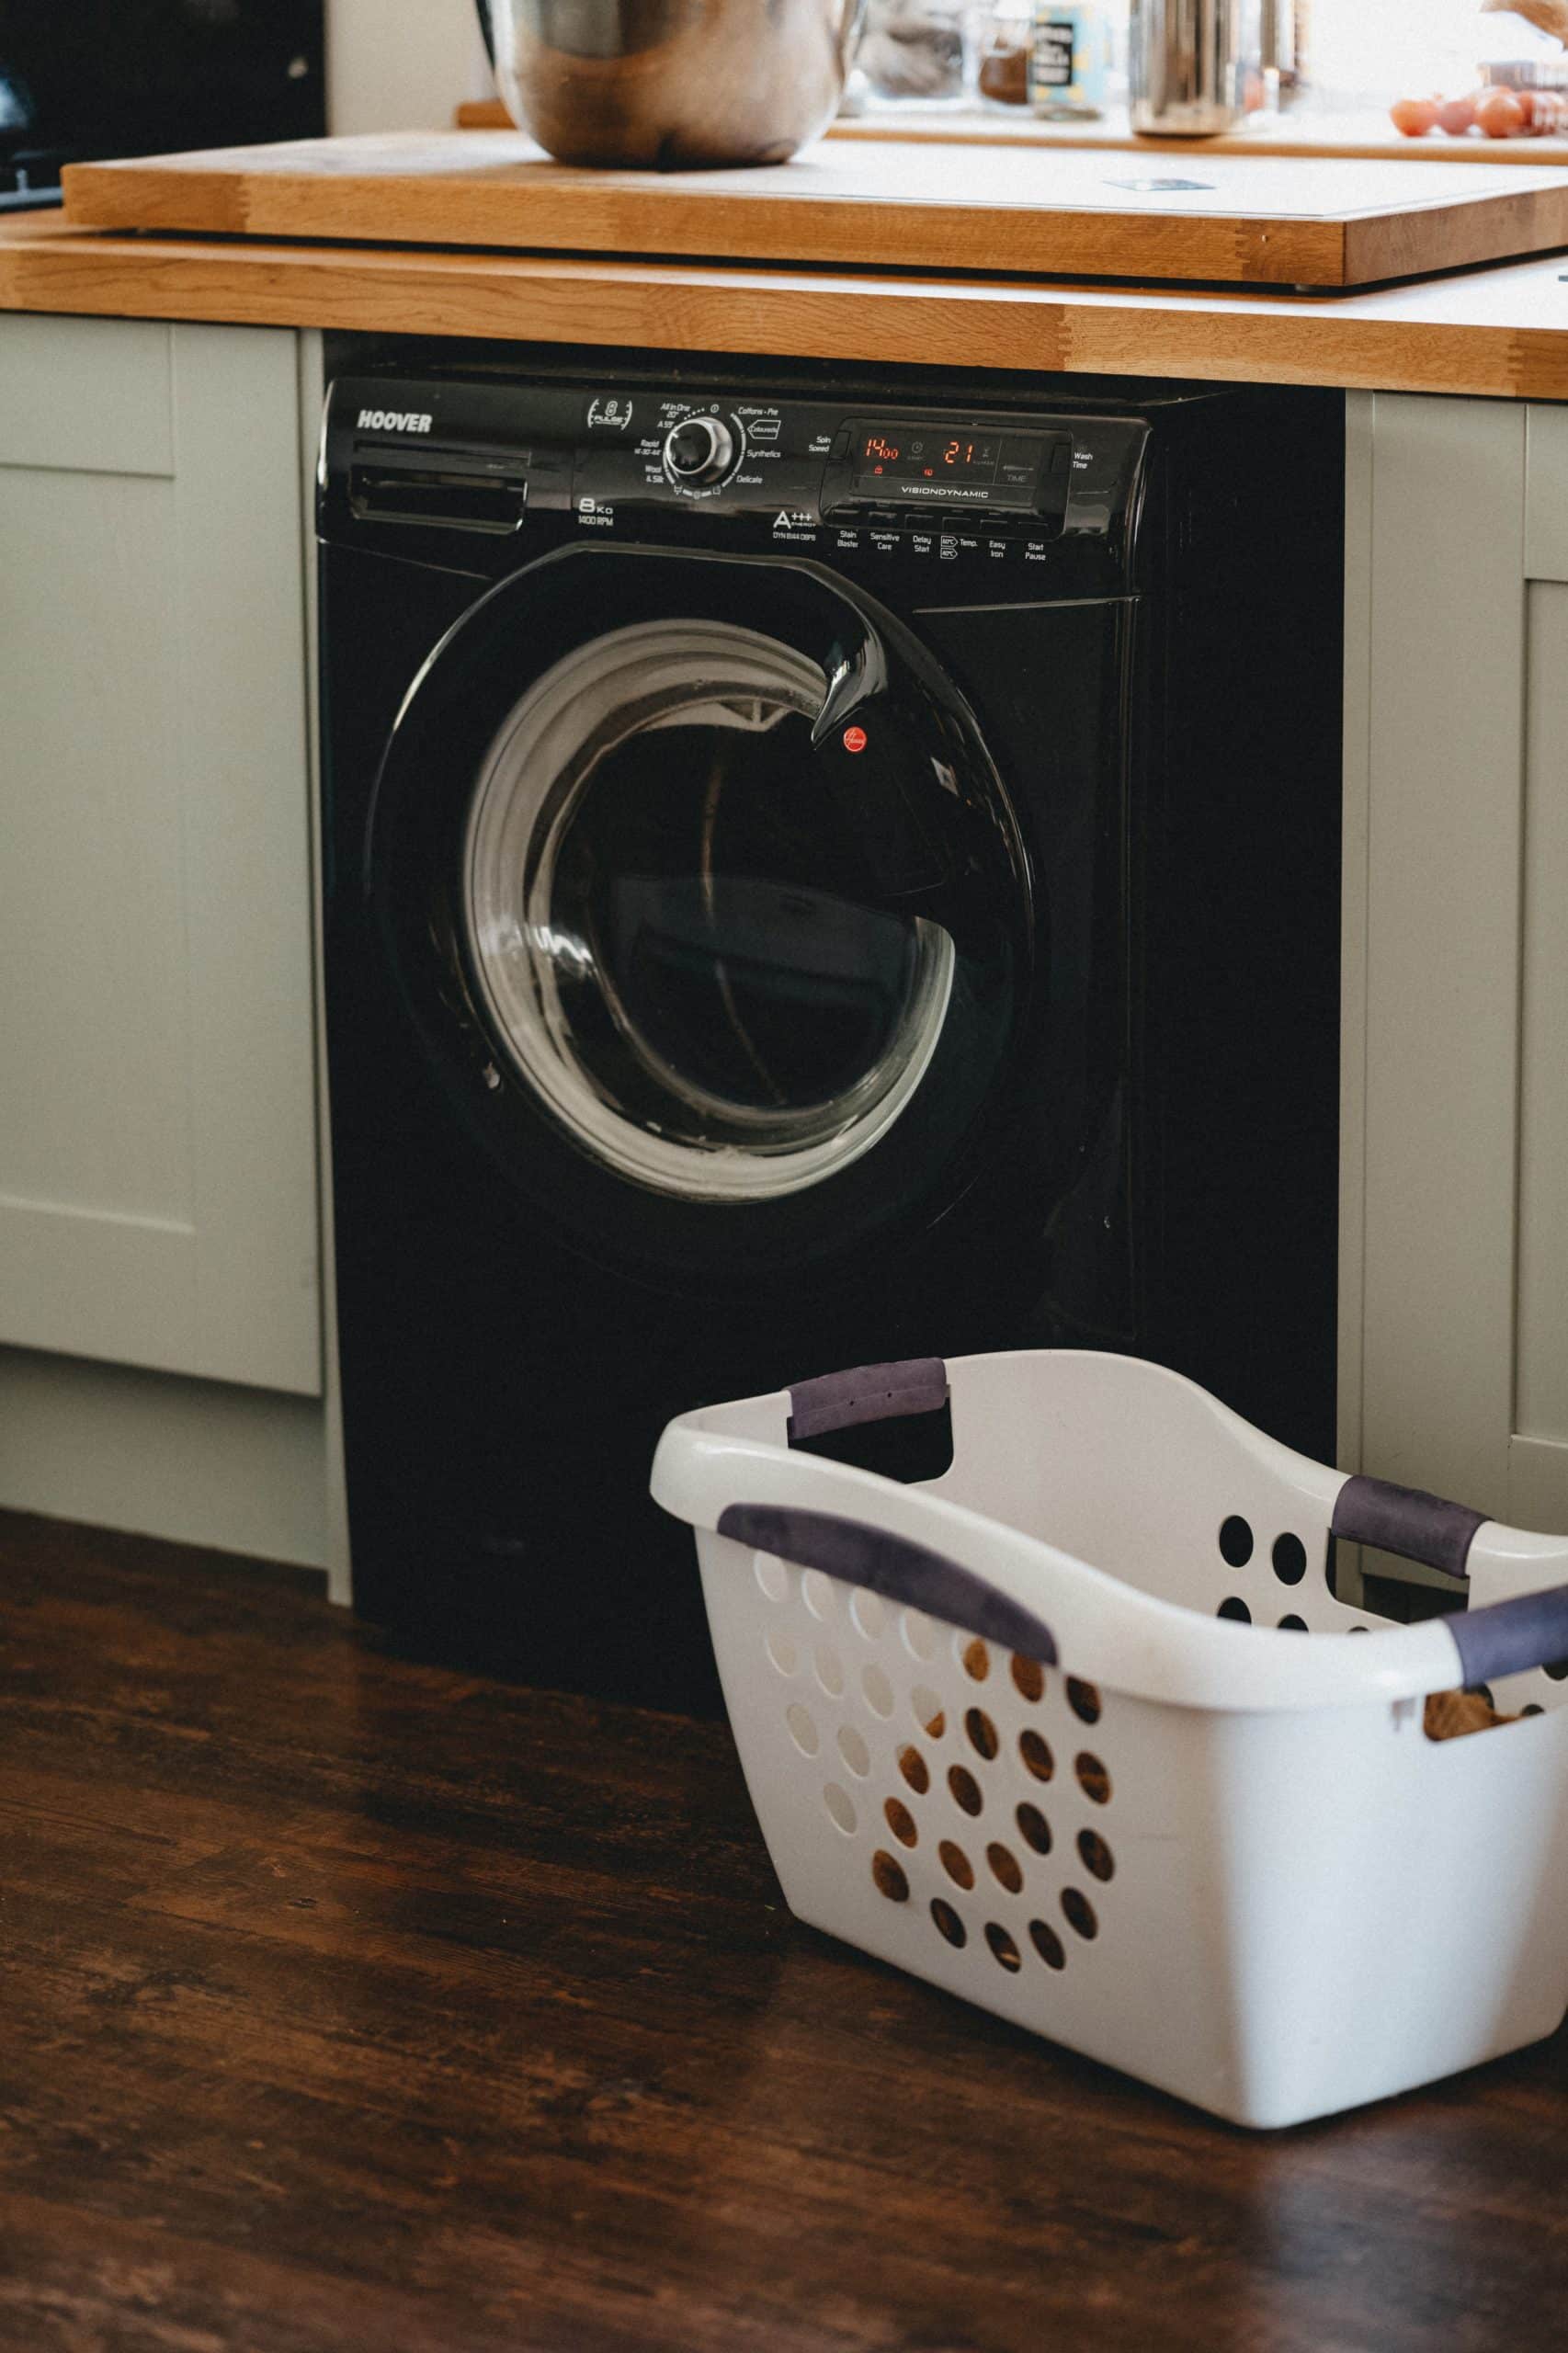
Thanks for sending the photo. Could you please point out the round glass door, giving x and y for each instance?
(708, 907)
(674, 912)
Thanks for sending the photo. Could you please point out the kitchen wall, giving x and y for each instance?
(1370, 51)
(401, 64)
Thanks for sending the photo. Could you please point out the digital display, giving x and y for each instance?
(922, 463)
(928, 456)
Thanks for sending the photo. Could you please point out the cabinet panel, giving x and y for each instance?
(1545, 495)
(88, 394)
(1458, 1212)
(1445, 618)
(158, 1141)
(1542, 1391)
(94, 1042)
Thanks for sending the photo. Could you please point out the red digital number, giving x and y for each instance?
(876, 447)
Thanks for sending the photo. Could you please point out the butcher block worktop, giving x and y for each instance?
(1061, 211)
(360, 2006)
(1500, 331)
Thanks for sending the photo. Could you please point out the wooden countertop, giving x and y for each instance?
(352, 2002)
(1500, 331)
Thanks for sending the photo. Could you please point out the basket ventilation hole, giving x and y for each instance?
(830, 1673)
(956, 1863)
(869, 1615)
(1558, 1670)
(1366, 1630)
(1084, 1701)
(1079, 1913)
(854, 1751)
(803, 1729)
(1532, 1710)
(927, 1709)
(919, 1635)
(782, 1651)
(841, 1805)
(915, 1770)
(1294, 1625)
(901, 1821)
(1290, 1558)
(1098, 1861)
(1003, 1946)
(1235, 1608)
(981, 1733)
(878, 1690)
(772, 1576)
(1029, 1677)
(976, 1659)
(1006, 1867)
(1048, 1944)
(1093, 1778)
(888, 1875)
(1236, 1541)
(1033, 1828)
(947, 1922)
(965, 1789)
(1036, 1753)
(816, 1591)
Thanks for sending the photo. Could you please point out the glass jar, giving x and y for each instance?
(918, 52)
(1006, 46)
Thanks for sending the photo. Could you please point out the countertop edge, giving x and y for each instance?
(1480, 331)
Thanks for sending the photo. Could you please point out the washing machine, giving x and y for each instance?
(816, 871)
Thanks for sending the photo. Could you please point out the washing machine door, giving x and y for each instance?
(707, 904)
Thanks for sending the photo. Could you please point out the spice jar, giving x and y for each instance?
(1006, 46)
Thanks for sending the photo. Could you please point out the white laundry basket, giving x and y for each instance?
(1007, 1730)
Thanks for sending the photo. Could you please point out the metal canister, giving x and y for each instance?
(1188, 65)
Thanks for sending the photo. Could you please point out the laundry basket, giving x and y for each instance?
(1012, 1731)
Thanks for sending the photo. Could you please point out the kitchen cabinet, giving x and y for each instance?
(1454, 1261)
(158, 1203)
(161, 1353)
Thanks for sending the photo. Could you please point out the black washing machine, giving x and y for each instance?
(815, 872)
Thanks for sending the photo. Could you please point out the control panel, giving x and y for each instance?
(805, 466)
(873, 487)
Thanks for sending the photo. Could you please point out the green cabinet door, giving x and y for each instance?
(158, 1199)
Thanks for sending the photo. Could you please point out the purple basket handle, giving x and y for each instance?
(1509, 1637)
(1506, 1637)
(871, 1392)
(900, 1571)
(1408, 1521)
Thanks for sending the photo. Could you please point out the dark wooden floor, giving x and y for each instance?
(351, 2003)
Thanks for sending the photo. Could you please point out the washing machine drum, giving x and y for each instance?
(708, 904)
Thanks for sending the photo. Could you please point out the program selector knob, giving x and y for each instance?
(699, 449)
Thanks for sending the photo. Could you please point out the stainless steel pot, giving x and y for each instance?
(671, 85)
(1189, 63)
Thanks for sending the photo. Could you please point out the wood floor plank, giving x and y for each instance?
(348, 2004)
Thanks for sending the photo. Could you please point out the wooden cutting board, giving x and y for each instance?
(882, 204)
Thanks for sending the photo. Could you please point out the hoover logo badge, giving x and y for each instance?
(393, 420)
